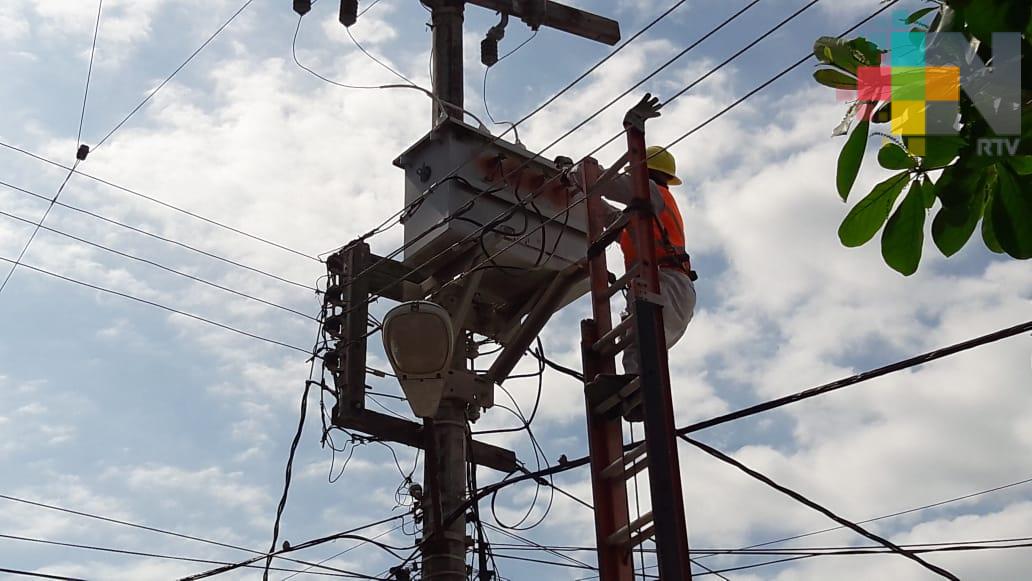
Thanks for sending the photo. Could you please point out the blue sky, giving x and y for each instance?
(113, 407)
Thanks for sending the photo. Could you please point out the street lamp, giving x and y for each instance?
(419, 340)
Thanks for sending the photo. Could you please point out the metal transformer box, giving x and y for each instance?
(473, 179)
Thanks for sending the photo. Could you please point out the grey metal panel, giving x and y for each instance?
(477, 195)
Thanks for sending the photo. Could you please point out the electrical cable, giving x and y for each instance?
(891, 515)
(25, 248)
(152, 555)
(39, 575)
(161, 266)
(487, 108)
(345, 551)
(286, 478)
(89, 74)
(172, 75)
(161, 306)
(376, 60)
(409, 85)
(583, 460)
(79, 155)
(536, 545)
(157, 201)
(158, 237)
(859, 378)
(821, 509)
(149, 528)
(348, 534)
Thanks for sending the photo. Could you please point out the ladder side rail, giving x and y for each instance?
(605, 434)
(660, 436)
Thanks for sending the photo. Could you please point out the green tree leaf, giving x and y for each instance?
(892, 156)
(956, 184)
(1021, 164)
(954, 223)
(865, 52)
(847, 55)
(984, 17)
(940, 150)
(850, 158)
(1011, 215)
(903, 236)
(928, 189)
(868, 216)
(834, 79)
(988, 236)
(920, 14)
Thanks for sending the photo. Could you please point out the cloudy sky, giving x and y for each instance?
(116, 408)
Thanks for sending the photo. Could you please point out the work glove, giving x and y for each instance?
(647, 108)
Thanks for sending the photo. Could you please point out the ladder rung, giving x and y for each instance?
(641, 537)
(608, 236)
(617, 398)
(607, 345)
(623, 534)
(623, 280)
(618, 466)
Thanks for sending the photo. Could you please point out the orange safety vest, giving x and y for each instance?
(668, 232)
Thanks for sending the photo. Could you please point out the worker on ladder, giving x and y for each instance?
(676, 277)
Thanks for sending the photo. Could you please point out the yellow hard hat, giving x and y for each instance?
(659, 159)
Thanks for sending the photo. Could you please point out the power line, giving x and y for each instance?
(957, 547)
(487, 69)
(39, 575)
(159, 202)
(163, 307)
(860, 377)
(821, 509)
(80, 154)
(289, 472)
(159, 555)
(347, 550)
(159, 237)
(583, 460)
(170, 533)
(89, 74)
(172, 75)
(159, 265)
(305, 545)
(894, 514)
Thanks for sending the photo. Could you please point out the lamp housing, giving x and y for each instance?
(419, 339)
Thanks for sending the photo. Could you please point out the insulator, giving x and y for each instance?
(302, 6)
(348, 12)
(489, 51)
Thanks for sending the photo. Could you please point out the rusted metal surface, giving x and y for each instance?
(605, 433)
(660, 436)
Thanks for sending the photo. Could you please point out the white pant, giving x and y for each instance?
(677, 294)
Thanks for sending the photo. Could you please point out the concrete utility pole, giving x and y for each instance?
(445, 467)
